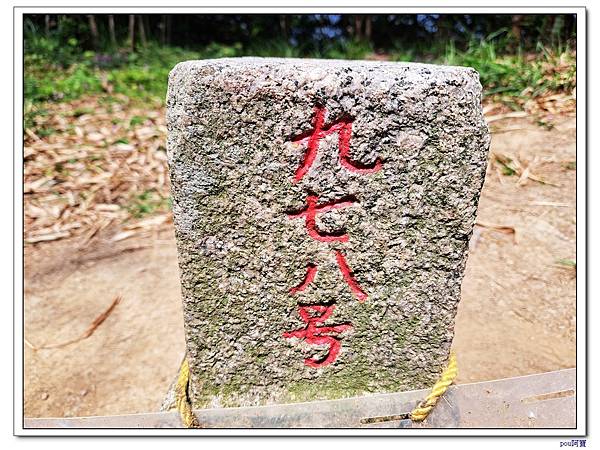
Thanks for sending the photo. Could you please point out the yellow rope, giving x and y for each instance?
(421, 412)
(181, 397)
(418, 414)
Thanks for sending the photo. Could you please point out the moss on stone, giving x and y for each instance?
(232, 163)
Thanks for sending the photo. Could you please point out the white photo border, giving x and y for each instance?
(336, 7)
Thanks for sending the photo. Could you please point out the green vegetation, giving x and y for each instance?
(507, 76)
(52, 74)
(570, 263)
(148, 202)
(71, 60)
(143, 75)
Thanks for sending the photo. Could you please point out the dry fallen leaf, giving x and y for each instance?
(123, 235)
(506, 229)
(86, 334)
(121, 147)
(502, 228)
(74, 175)
(509, 115)
(95, 137)
(47, 237)
(107, 207)
(545, 203)
(148, 223)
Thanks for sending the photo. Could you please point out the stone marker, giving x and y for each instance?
(322, 211)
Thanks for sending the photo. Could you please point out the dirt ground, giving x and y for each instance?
(516, 317)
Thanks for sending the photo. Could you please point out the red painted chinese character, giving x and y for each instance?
(319, 335)
(311, 272)
(312, 138)
(310, 212)
(349, 277)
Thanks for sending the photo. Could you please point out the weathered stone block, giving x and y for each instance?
(322, 213)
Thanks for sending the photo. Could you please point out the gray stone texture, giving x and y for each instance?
(232, 123)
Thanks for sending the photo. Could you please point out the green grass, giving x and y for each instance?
(141, 76)
(509, 76)
(56, 72)
(136, 120)
(570, 263)
(148, 203)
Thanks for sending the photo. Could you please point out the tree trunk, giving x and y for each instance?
(358, 28)
(47, 24)
(368, 27)
(142, 31)
(283, 26)
(94, 30)
(162, 26)
(147, 27)
(131, 38)
(168, 29)
(516, 27)
(111, 30)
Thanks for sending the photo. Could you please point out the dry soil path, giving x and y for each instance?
(517, 314)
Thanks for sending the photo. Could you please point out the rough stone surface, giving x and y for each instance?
(233, 161)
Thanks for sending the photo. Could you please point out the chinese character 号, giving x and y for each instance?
(319, 335)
